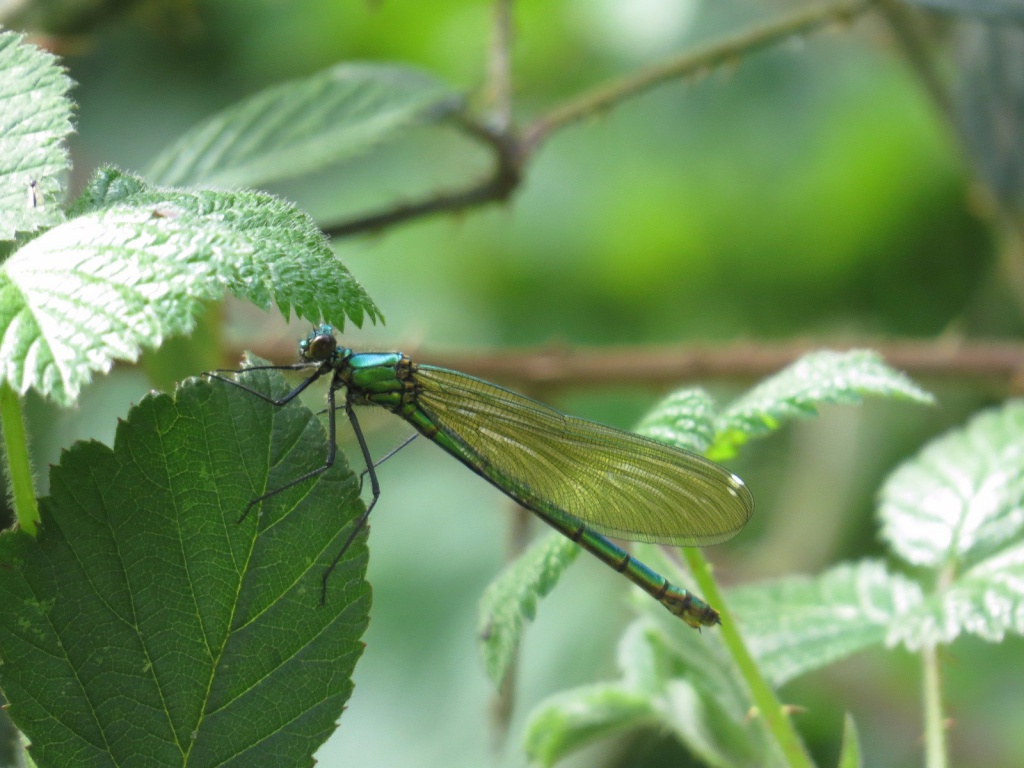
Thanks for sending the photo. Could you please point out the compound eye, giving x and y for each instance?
(320, 345)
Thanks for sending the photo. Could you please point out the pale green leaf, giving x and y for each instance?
(133, 265)
(685, 419)
(799, 624)
(986, 601)
(35, 118)
(849, 753)
(816, 379)
(512, 598)
(99, 287)
(672, 679)
(303, 125)
(290, 262)
(575, 718)
(962, 497)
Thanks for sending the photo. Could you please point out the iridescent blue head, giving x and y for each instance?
(319, 346)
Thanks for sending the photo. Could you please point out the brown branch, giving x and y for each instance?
(498, 186)
(513, 150)
(999, 363)
(703, 60)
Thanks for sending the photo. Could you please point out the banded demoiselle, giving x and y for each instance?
(582, 478)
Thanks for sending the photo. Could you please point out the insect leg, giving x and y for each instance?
(332, 444)
(324, 368)
(374, 485)
(385, 457)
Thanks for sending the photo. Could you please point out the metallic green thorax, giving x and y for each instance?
(582, 478)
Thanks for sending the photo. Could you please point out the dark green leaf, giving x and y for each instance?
(147, 626)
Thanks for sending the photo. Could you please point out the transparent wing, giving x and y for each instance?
(615, 482)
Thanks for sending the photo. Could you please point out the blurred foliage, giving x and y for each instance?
(810, 190)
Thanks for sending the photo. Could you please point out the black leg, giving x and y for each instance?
(324, 368)
(332, 445)
(385, 457)
(374, 488)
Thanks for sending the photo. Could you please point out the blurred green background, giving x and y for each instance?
(810, 191)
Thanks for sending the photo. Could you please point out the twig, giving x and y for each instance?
(499, 67)
(716, 54)
(513, 149)
(499, 185)
(905, 25)
(995, 363)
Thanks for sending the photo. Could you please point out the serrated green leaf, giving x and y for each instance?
(304, 125)
(796, 392)
(35, 118)
(987, 601)
(798, 624)
(685, 419)
(512, 598)
(148, 626)
(134, 265)
(962, 497)
(849, 754)
(98, 287)
(290, 263)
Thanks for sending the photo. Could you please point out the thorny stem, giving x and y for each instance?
(513, 148)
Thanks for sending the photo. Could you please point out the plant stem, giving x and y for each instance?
(18, 465)
(934, 723)
(499, 66)
(767, 703)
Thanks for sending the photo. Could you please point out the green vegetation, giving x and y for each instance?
(615, 204)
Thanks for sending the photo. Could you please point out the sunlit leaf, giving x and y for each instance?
(685, 419)
(796, 392)
(986, 601)
(35, 118)
(798, 624)
(962, 497)
(133, 266)
(289, 262)
(99, 287)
